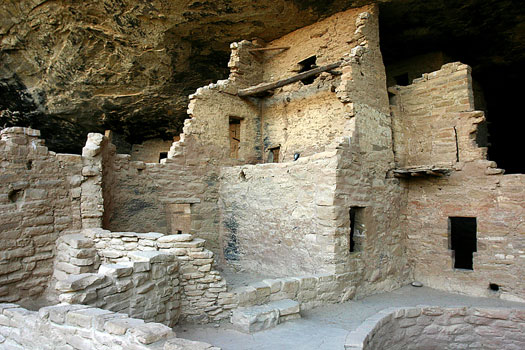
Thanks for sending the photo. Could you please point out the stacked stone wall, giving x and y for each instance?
(435, 123)
(144, 196)
(434, 119)
(441, 328)
(80, 327)
(203, 290)
(39, 201)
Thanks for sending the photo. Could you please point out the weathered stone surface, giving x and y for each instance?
(401, 328)
(79, 282)
(257, 318)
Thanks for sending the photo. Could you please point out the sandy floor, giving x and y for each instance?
(327, 327)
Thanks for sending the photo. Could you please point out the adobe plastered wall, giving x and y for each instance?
(431, 112)
(432, 327)
(144, 196)
(149, 151)
(274, 215)
(39, 200)
(306, 118)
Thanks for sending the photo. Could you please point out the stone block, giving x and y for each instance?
(57, 313)
(77, 241)
(119, 326)
(255, 318)
(79, 282)
(151, 256)
(80, 297)
(286, 306)
(274, 284)
(115, 270)
(151, 332)
(185, 237)
(84, 317)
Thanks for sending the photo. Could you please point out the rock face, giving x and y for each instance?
(126, 65)
(69, 68)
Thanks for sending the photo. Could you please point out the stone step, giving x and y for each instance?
(257, 318)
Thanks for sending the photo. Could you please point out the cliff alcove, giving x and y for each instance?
(68, 67)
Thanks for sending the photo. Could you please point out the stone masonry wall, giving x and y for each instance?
(203, 290)
(80, 327)
(145, 196)
(272, 215)
(436, 112)
(39, 201)
(434, 327)
(435, 122)
(307, 118)
(379, 261)
(145, 286)
(497, 203)
(299, 210)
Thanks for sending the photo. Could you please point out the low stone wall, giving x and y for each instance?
(310, 291)
(80, 327)
(431, 327)
(146, 287)
(203, 290)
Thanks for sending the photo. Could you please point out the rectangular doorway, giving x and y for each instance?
(463, 241)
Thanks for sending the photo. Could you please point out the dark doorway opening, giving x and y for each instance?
(273, 155)
(357, 229)
(306, 65)
(163, 155)
(402, 79)
(463, 241)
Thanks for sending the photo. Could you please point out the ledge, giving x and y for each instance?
(422, 171)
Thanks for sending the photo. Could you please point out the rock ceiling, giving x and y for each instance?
(69, 67)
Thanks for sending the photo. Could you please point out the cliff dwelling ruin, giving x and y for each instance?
(317, 173)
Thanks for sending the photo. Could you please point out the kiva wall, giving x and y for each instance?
(39, 201)
(432, 327)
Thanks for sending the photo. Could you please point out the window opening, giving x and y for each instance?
(273, 155)
(163, 155)
(357, 229)
(306, 65)
(463, 241)
(235, 137)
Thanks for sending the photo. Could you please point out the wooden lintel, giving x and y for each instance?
(254, 90)
(269, 48)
